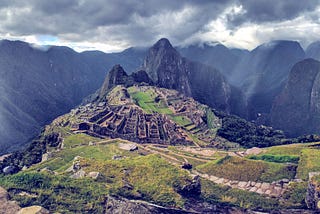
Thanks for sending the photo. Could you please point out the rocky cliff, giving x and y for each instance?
(117, 76)
(296, 110)
(168, 69)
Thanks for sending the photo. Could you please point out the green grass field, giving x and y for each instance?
(146, 100)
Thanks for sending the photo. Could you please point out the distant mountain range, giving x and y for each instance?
(37, 85)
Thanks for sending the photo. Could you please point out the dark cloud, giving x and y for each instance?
(259, 11)
(137, 22)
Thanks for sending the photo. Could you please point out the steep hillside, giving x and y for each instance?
(37, 85)
(168, 69)
(296, 109)
(215, 55)
(262, 73)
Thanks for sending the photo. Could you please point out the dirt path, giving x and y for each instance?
(180, 155)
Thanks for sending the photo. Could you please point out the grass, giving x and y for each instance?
(235, 168)
(214, 193)
(57, 193)
(78, 139)
(151, 177)
(294, 149)
(309, 162)
(62, 160)
(276, 158)
(146, 100)
(295, 195)
(180, 120)
(211, 119)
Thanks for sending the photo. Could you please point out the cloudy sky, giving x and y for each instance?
(112, 25)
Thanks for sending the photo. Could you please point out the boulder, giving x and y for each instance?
(191, 188)
(9, 170)
(128, 146)
(93, 175)
(7, 206)
(33, 210)
(79, 174)
(186, 165)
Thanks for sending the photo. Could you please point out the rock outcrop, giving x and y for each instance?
(33, 210)
(117, 205)
(117, 76)
(168, 69)
(313, 193)
(7, 206)
(297, 109)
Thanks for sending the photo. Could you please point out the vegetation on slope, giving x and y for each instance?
(276, 158)
(56, 193)
(309, 162)
(248, 134)
(235, 168)
(215, 193)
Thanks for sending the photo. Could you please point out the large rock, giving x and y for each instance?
(297, 109)
(33, 210)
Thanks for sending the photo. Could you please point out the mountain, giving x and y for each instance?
(168, 69)
(313, 50)
(38, 84)
(217, 56)
(146, 149)
(130, 59)
(262, 73)
(296, 110)
(117, 76)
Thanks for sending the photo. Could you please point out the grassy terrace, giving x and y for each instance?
(236, 168)
(309, 162)
(215, 193)
(63, 159)
(146, 100)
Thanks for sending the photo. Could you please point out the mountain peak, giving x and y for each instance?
(116, 76)
(163, 43)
